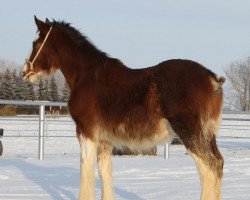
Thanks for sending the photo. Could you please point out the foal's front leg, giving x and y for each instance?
(87, 179)
(105, 170)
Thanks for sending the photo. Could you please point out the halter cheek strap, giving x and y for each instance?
(31, 63)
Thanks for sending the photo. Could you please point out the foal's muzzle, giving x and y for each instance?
(28, 70)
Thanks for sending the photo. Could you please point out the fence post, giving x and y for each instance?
(166, 151)
(41, 132)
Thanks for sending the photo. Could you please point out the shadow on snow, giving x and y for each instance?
(59, 182)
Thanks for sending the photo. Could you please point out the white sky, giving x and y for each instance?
(139, 32)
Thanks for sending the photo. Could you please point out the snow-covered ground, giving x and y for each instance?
(22, 176)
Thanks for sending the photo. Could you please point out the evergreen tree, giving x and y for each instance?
(30, 92)
(1, 88)
(65, 93)
(54, 89)
(41, 91)
(6, 86)
(17, 85)
(23, 90)
(13, 87)
(47, 91)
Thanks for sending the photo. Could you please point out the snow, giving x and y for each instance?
(24, 177)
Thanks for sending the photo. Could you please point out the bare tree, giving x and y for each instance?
(7, 64)
(238, 74)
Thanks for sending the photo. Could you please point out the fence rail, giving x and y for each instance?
(32, 103)
(43, 122)
(41, 105)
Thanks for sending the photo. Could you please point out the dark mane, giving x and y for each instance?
(81, 41)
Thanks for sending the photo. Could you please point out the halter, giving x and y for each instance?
(31, 63)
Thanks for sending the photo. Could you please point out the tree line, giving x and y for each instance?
(237, 95)
(13, 87)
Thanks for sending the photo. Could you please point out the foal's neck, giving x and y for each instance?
(75, 64)
(76, 56)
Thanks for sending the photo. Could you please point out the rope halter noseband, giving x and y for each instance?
(31, 63)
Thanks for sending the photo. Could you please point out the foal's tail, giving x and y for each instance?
(214, 107)
(217, 83)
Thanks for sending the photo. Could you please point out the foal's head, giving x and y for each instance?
(40, 61)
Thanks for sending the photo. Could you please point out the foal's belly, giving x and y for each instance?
(138, 138)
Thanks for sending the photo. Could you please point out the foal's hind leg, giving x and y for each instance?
(209, 163)
(105, 170)
(87, 176)
(200, 141)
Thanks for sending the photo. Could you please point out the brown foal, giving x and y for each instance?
(112, 104)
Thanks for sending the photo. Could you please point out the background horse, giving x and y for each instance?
(112, 104)
(53, 110)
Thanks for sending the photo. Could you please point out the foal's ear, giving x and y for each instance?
(42, 27)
